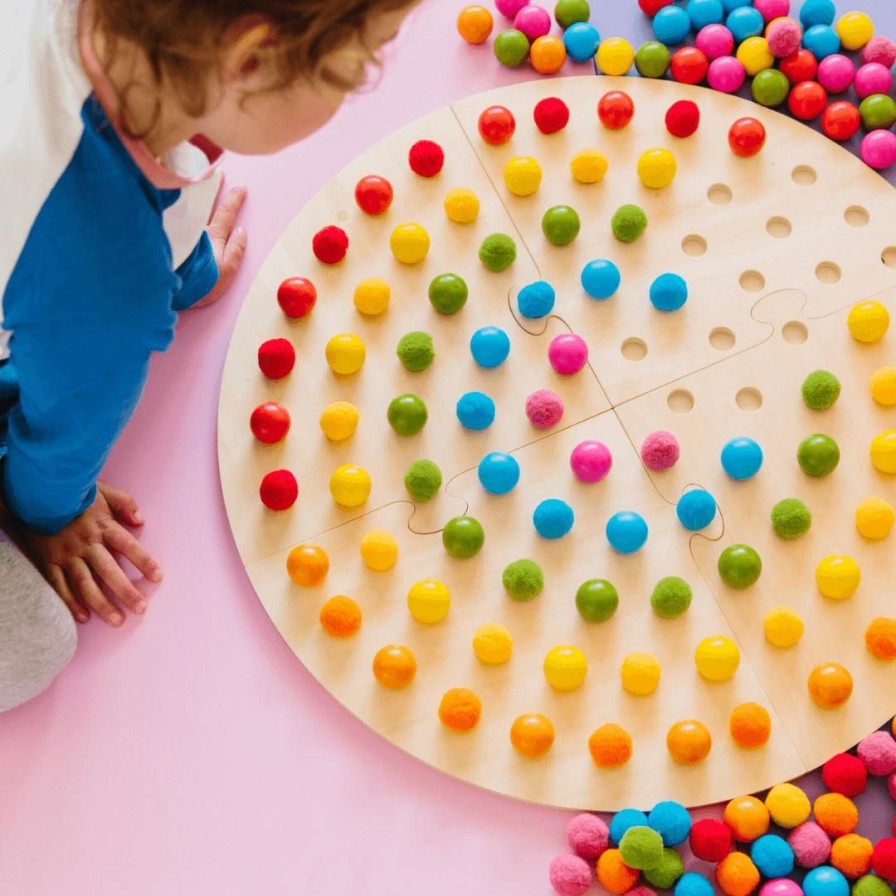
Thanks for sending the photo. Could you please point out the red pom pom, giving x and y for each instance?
(689, 65)
(807, 100)
(845, 773)
(296, 296)
(496, 125)
(330, 244)
(840, 120)
(551, 115)
(799, 66)
(683, 118)
(615, 110)
(373, 194)
(279, 490)
(426, 158)
(746, 137)
(710, 839)
(652, 7)
(269, 422)
(276, 358)
(883, 859)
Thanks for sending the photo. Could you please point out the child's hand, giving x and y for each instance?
(80, 557)
(228, 243)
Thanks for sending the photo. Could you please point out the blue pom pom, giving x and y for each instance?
(623, 820)
(692, 884)
(696, 509)
(671, 821)
(668, 292)
(704, 12)
(671, 25)
(475, 410)
(490, 346)
(741, 458)
(821, 41)
(817, 12)
(581, 41)
(745, 22)
(729, 5)
(626, 531)
(825, 881)
(600, 278)
(499, 472)
(553, 518)
(536, 300)
(772, 855)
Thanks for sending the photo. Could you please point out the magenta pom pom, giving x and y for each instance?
(878, 752)
(715, 41)
(568, 353)
(660, 451)
(570, 875)
(781, 886)
(873, 77)
(836, 73)
(810, 844)
(510, 8)
(880, 49)
(878, 149)
(726, 74)
(534, 21)
(591, 461)
(588, 835)
(783, 36)
(772, 9)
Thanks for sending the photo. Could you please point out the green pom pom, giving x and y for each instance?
(560, 224)
(652, 59)
(871, 885)
(497, 252)
(670, 868)
(628, 223)
(820, 390)
(597, 600)
(641, 848)
(568, 12)
(523, 580)
(422, 480)
(791, 518)
(818, 455)
(739, 566)
(463, 537)
(671, 597)
(415, 351)
(448, 293)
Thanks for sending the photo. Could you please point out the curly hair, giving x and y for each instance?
(182, 39)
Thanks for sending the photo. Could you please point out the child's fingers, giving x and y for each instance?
(104, 565)
(231, 257)
(120, 541)
(123, 505)
(57, 579)
(84, 586)
(220, 226)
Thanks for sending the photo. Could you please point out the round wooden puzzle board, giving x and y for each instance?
(774, 249)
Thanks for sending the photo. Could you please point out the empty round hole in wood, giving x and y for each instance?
(342, 216)
(752, 281)
(722, 338)
(888, 256)
(778, 227)
(634, 349)
(795, 332)
(694, 244)
(828, 272)
(749, 399)
(804, 175)
(856, 216)
(719, 194)
(680, 401)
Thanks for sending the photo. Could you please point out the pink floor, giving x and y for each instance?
(191, 753)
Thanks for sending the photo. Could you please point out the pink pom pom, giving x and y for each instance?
(544, 408)
(533, 21)
(726, 74)
(873, 78)
(880, 49)
(783, 36)
(568, 353)
(588, 835)
(715, 41)
(781, 886)
(660, 451)
(510, 8)
(878, 149)
(570, 875)
(591, 461)
(836, 73)
(878, 752)
(810, 844)
(772, 9)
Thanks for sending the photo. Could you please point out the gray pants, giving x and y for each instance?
(37, 632)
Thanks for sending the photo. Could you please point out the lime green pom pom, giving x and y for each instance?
(523, 580)
(422, 480)
(791, 518)
(628, 223)
(415, 351)
(820, 390)
(671, 597)
(497, 252)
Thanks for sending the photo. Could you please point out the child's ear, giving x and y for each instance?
(243, 45)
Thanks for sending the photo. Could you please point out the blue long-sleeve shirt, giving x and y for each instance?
(93, 291)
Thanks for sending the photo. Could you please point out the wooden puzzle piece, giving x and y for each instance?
(803, 214)
(445, 658)
(757, 394)
(312, 386)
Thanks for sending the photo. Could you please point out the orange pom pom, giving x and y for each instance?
(613, 874)
(532, 735)
(750, 725)
(747, 817)
(851, 855)
(460, 709)
(307, 565)
(737, 875)
(394, 667)
(689, 742)
(340, 616)
(610, 746)
(835, 814)
(547, 54)
(880, 638)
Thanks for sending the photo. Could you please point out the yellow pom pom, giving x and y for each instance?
(461, 206)
(868, 321)
(656, 168)
(350, 485)
(565, 668)
(588, 166)
(409, 243)
(855, 29)
(640, 674)
(492, 644)
(755, 56)
(372, 296)
(339, 421)
(837, 576)
(346, 353)
(783, 626)
(429, 601)
(522, 176)
(883, 386)
(787, 805)
(717, 658)
(379, 550)
(615, 56)
(875, 518)
(883, 451)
